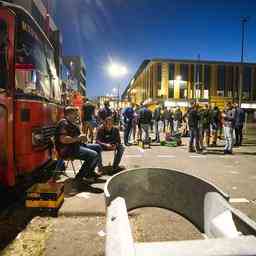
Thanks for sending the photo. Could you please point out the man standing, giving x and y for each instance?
(215, 124)
(128, 116)
(193, 123)
(157, 118)
(108, 137)
(205, 125)
(88, 117)
(239, 125)
(145, 118)
(104, 112)
(69, 144)
(177, 120)
(228, 124)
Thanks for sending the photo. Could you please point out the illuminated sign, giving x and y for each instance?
(248, 105)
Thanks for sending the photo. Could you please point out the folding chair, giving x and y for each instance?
(61, 162)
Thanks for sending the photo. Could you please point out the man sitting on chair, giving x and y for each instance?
(70, 144)
(108, 137)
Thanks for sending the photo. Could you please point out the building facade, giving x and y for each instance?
(77, 68)
(180, 81)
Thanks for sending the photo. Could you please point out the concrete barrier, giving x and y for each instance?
(168, 189)
(205, 205)
(222, 220)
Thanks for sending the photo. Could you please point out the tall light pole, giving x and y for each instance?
(240, 92)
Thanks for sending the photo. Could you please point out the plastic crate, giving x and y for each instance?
(45, 195)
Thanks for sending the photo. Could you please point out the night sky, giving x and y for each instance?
(129, 31)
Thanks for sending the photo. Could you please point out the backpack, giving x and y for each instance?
(145, 116)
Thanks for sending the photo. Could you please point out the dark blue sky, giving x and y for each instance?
(129, 31)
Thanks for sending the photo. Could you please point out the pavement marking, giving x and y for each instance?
(84, 195)
(227, 156)
(166, 156)
(200, 156)
(238, 200)
(234, 188)
(101, 233)
(234, 172)
(133, 156)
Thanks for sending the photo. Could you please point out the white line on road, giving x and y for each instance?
(227, 156)
(199, 156)
(166, 156)
(133, 156)
(234, 172)
(238, 200)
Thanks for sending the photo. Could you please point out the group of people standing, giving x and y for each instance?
(205, 123)
(139, 121)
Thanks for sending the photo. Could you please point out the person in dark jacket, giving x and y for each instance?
(239, 124)
(128, 116)
(157, 119)
(88, 118)
(205, 126)
(193, 123)
(215, 117)
(108, 137)
(177, 120)
(104, 112)
(69, 143)
(145, 118)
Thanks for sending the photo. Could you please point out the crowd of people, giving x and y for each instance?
(206, 126)
(83, 134)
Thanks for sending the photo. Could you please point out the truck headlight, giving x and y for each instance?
(37, 138)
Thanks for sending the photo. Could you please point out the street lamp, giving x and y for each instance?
(117, 71)
(243, 22)
(178, 78)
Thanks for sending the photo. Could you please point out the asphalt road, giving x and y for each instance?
(80, 227)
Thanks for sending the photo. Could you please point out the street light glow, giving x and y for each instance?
(117, 70)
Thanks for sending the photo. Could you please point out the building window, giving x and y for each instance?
(171, 80)
(207, 77)
(198, 80)
(229, 82)
(236, 83)
(183, 83)
(207, 81)
(151, 82)
(184, 72)
(221, 80)
(247, 81)
(159, 72)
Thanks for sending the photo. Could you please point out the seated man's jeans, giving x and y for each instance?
(118, 155)
(91, 155)
(98, 149)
